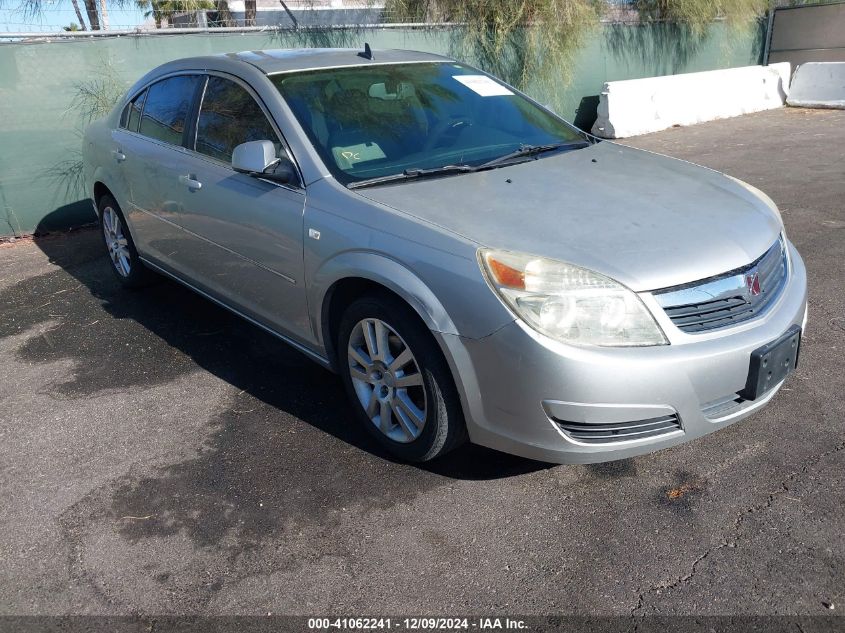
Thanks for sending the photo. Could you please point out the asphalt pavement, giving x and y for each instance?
(159, 456)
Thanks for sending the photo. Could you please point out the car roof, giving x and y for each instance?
(282, 60)
(292, 59)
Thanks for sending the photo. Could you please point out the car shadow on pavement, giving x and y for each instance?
(165, 331)
(275, 448)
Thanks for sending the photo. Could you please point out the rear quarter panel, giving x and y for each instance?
(98, 163)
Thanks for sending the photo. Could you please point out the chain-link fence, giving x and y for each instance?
(74, 18)
(89, 17)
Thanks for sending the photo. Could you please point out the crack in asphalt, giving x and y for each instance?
(666, 587)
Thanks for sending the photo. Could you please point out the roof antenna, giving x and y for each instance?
(368, 52)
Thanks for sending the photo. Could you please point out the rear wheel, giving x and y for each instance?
(398, 381)
(126, 264)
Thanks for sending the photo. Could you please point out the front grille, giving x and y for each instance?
(610, 432)
(725, 300)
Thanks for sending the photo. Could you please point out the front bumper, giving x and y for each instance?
(518, 386)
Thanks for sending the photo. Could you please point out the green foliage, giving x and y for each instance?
(165, 9)
(518, 40)
(95, 97)
(698, 14)
(92, 99)
(521, 40)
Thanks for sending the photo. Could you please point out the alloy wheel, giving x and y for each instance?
(116, 242)
(387, 380)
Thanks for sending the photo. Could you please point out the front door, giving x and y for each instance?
(245, 233)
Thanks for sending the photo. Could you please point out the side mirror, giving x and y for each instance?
(258, 158)
(283, 172)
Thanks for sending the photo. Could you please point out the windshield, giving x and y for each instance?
(374, 121)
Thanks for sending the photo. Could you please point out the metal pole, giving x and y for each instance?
(290, 15)
(768, 43)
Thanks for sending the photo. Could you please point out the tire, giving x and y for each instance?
(419, 388)
(123, 256)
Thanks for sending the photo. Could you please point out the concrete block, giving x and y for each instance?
(639, 106)
(818, 85)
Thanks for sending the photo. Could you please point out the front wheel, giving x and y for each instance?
(398, 381)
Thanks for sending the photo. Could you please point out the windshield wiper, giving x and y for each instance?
(414, 172)
(526, 151)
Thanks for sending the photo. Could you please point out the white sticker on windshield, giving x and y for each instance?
(483, 85)
(347, 157)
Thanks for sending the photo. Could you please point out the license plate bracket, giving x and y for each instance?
(771, 363)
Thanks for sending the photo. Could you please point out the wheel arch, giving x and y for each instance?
(100, 186)
(99, 190)
(103, 181)
(350, 275)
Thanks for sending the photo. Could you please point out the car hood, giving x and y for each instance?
(646, 220)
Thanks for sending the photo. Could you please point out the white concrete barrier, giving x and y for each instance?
(639, 106)
(818, 85)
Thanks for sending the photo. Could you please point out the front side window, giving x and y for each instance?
(228, 117)
(167, 108)
(370, 122)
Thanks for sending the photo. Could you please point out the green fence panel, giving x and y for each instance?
(40, 127)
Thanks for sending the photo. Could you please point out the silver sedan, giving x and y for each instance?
(473, 266)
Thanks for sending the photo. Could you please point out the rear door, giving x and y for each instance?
(245, 233)
(150, 148)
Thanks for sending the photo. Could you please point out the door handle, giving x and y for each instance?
(118, 155)
(190, 183)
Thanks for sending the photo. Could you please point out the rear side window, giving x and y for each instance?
(132, 113)
(168, 107)
(228, 117)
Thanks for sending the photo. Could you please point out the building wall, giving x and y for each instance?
(810, 33)
(40, 132)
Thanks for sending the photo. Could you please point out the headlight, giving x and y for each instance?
(571, 304)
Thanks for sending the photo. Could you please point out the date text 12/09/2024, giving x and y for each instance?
(416, 624)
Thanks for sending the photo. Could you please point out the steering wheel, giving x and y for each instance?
(445, 129)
